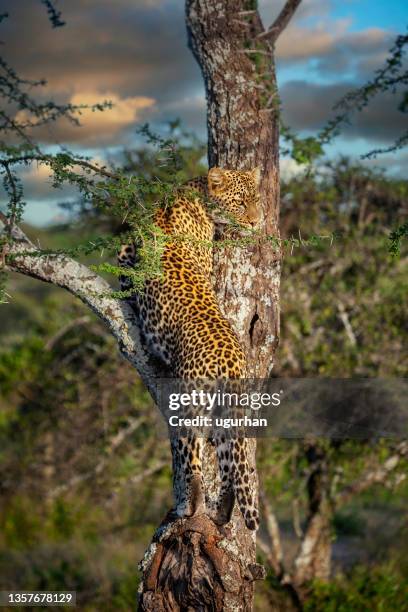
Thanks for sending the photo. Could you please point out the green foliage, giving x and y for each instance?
(302, 150)
(62, 406)
(361, 206)
(65, 522)
(354, 281)
(75, 514)
(380, 589)
(395, 239)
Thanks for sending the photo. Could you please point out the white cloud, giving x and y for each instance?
(289, 168)
(97, 127)
(123, 112)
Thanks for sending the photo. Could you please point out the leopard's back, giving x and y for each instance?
(179, 315)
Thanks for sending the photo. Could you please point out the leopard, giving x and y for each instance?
(182, 325)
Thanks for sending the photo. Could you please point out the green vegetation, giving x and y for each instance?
(85, 474)
(84, 469)
(362, 589)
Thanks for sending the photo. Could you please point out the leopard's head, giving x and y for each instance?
(236, 193)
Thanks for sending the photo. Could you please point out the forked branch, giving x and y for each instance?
(281, 22)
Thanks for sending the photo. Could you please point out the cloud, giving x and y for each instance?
(132, 48)
(303, 44)
(42, 199)
(308, 106)
(99, 127)
(333, 52)
(191, 108)
(289, 168)
(395, 164)
(136, 52)
(123, 111)
(38, 184)
(327, 47)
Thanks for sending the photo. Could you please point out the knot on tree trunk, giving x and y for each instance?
(192, 564)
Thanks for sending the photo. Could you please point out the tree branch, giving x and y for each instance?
(344, 318)
(274, 552)
(281, 22)
(275, 556)
(378, 474)
(22, 256)
(47, 159)
(141, 476)
(115, 443)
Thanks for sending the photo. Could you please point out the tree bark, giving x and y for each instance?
(314, 557)
(192, 564)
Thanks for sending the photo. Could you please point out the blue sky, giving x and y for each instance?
(135, 53)
(389, 14)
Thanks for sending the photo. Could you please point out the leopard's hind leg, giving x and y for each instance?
(226, 495)
(188, 483)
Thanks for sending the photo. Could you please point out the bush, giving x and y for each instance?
(379, 589)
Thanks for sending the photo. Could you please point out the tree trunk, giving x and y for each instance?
(313, 560)
(192, 564)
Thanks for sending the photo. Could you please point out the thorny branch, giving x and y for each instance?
(48, 159)
(14, 194)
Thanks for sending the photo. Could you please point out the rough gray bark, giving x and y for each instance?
(242, 118)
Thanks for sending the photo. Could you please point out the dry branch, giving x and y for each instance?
(280, 23)
(375, 475)
(275, 556)
(115, 443)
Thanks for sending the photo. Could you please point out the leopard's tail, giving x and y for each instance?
(244, 482)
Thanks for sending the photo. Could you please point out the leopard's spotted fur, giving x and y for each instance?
(182, 324)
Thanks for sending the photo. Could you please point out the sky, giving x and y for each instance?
(134, 53)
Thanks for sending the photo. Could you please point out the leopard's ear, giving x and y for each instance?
(216, 176)
(256, 175)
